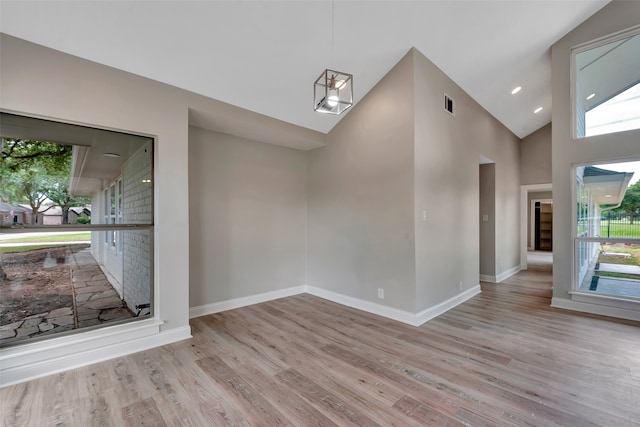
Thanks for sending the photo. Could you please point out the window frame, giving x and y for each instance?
(583, 47)
(116, 226)
(578, 238)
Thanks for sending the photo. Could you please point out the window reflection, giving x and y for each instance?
(76, 226)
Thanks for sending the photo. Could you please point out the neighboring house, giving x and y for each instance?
(79, 212)
(10, 215)
(54, 215)
(50, 215)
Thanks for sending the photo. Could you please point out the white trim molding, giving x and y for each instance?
(443, 307)
(524, 195)
(593, 307)
(364, 305)
(413, 319)
(34, 360)
(506, 274)
(502, 276)
(217, 307)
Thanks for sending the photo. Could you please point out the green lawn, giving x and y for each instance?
(634, 250)
(618, 275)
(84, 236)
(620, 229)
(634, 259)
(17, 249)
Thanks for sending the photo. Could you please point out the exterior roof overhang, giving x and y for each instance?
(607, 187)
(98, 155)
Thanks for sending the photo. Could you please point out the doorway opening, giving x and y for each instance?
(536, 227)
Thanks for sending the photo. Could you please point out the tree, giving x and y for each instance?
(21, 153)
(631, 203)
(27, 186)
(58, 193)
(30, 170)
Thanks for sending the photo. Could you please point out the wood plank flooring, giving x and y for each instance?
(504, 358)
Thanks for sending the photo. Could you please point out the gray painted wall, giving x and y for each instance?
(448, 151)
(247, 217)
(535, 157)
(488, 228)
(46, 83)
(396, 155)
(566, 151)
(361, 201)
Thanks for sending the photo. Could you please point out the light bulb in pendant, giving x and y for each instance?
(332, 101)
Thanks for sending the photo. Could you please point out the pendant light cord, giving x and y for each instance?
(333, 17)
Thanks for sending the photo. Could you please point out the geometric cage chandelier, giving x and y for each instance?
(333, 92)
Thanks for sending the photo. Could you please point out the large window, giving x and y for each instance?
(607, 233)
(76, 227)
(606, 88)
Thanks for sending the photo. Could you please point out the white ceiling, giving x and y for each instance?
(264, 56)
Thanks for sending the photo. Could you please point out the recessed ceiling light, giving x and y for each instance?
(591, 96)
(516, 90)
(537, 110)
(608, 195)
(111, 154)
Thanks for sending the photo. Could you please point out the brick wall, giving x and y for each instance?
(137, 209)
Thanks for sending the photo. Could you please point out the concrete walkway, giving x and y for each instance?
(95, 302)
(619, 268)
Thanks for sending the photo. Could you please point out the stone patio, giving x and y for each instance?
(95, 302)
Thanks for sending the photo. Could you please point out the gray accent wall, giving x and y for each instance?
(487, 228)
(448, 152)
(399, 155)
(566, 151)
(247, 217)
(361, 199)
(535, 157)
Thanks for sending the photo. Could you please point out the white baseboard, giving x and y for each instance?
(594, 308)
(488, 278)
(437, 310)
(414, 319)
(217, 307)
(364, 305)
(502, 276)
(506, 274)
(30, 361)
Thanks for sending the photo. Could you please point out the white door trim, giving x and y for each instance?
(524, 192)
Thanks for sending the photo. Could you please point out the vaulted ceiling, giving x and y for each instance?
(264, 56)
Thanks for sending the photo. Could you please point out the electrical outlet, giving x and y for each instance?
(380, 293)
(460, 284)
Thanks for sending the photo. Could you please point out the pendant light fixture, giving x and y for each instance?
(333, 90)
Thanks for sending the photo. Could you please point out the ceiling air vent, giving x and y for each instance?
(449, 104)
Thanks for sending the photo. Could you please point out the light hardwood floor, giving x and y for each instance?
(503, 358)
